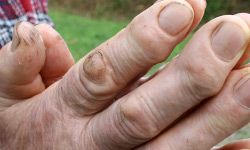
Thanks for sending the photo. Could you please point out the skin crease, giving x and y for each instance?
(78, 110)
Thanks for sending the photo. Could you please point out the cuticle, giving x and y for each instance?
(217, 29)
(178, 3)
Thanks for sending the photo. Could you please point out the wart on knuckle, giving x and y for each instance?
(96, 75)
(95, 67)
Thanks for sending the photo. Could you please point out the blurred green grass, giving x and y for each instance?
(83, 34)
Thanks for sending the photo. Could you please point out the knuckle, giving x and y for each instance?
(96, 75)
(88, 84)
(95, 67)
(203, 80)
(139, 120)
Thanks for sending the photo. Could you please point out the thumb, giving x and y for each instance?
(20, 63)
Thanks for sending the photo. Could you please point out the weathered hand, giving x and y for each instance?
(100, 104)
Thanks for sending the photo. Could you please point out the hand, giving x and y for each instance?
(101, 104)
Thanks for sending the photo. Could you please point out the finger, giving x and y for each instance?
(20, 63)
(58, 57)
(246, 55)
(148, 39)
(197, 74)
(238, 145)
(198, 7)
(214, 120)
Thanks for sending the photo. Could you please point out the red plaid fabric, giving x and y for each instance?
(12, 11)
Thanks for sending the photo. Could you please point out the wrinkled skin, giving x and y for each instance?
(104, 103)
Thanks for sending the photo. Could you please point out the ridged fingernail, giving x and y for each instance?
(25, 33)
(175, 17)
(228, 40)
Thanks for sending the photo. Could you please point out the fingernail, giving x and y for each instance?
(242, 94)
(175, 17)
(25, 33)
(228, 40)
(15, 40)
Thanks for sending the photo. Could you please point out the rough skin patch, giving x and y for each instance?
(94, 67)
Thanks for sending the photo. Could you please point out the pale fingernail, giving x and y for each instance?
(228, 40)
(242, 94)
(175, 17)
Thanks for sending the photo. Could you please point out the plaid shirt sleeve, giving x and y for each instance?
(12, 11)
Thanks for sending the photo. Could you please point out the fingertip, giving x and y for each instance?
(20, 63)
(176, 17)
(23, 58)
(58, 56)
(199, 7)
(246, 18)
(49, 34)
(26, 35)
